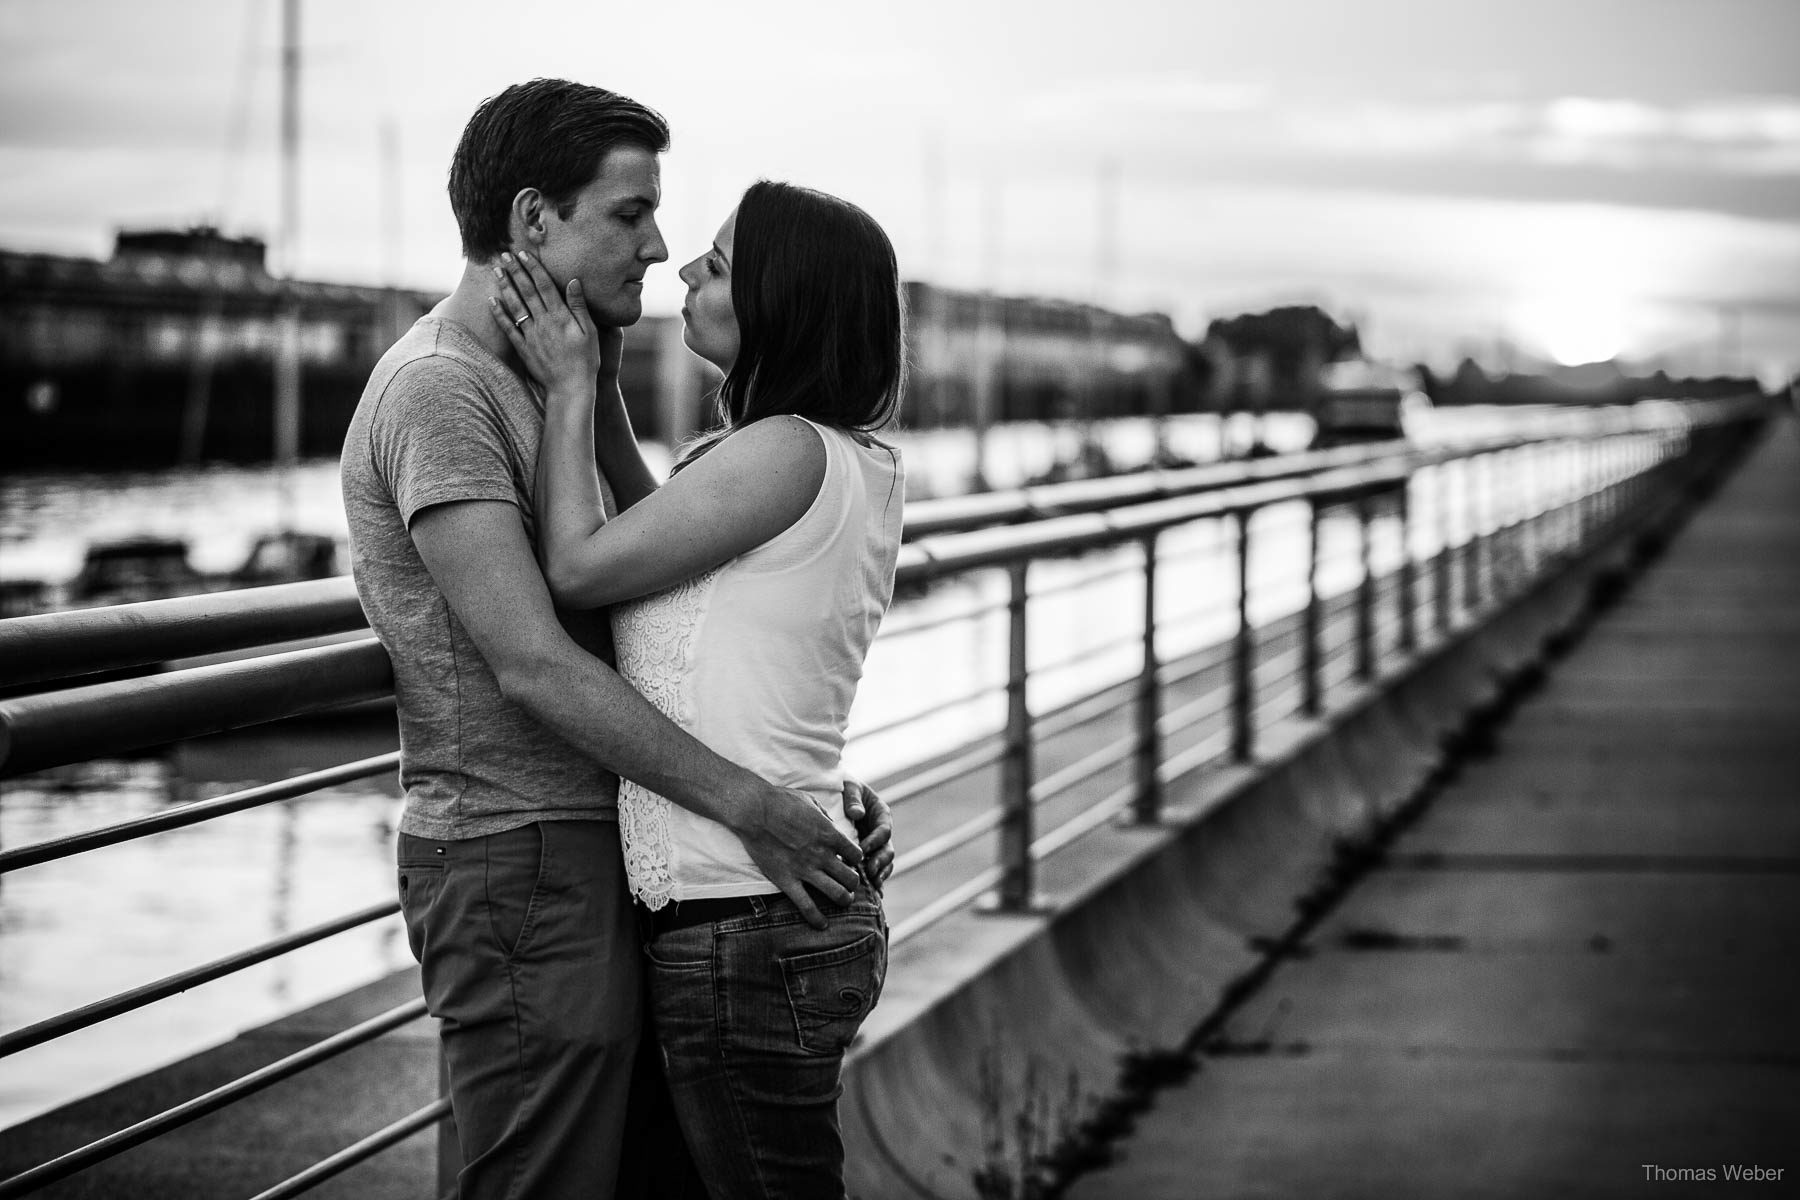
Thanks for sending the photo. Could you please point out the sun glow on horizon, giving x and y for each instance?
(1576, 329)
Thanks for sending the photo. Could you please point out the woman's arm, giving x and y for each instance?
(749, 488)
(746, 490)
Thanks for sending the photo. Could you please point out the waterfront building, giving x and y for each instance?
(165, 353)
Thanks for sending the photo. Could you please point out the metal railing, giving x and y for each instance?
(1420, 542)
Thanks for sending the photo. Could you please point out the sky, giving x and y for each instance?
(1561, 178)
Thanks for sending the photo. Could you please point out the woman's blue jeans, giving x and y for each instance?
(753, 1014)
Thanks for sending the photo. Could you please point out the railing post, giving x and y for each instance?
(1586, 453)
(1365, 593)
(1409, 638)
(1603, 496)
(1472, 595)
(1508, 572)
(1563, 496)
(1309, 619)
(1530, 515)
(1243, 736)
(1593, 479)
(1493, 517)
(1622, 495)
(1148, 808)
(1609, 473)
(1606, 465)
(1016, 884)
(1440, 566)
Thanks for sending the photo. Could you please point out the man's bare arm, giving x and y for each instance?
(478, 555)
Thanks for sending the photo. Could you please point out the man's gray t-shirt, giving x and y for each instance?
(444, 420)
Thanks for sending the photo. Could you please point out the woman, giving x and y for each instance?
(746, 592)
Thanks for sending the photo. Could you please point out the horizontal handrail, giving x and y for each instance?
(66, 645)
(122, 636)
(959, 514)
(1046, 789)
(951, 901)
(102, 1010)
(985, 691)
(1208, 749)
(1083, 769)
(188, 1111)
(367, 1148)
(1089, 654)
(984, 753)
(952, 554)
(50, 729)
(961, 896)
(193, 814)
(1084, 822)
(893, 630)
(948, 842)
(1191, 713)
(1063, 587)
(100, 719)
(1206, 658)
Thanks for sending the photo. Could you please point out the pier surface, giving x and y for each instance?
(1575, 975)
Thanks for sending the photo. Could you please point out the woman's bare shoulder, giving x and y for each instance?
(775, 465)
(781, 442)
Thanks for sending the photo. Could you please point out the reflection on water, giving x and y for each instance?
(48, 520)
(83, 928)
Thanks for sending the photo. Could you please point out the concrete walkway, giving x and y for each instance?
(1578, 975)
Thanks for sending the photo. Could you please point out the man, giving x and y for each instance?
(512, 723)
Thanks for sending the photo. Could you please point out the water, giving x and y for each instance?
(79, 930)
(84, 928)
(47, 520)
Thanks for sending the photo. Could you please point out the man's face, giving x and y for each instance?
(610, 238)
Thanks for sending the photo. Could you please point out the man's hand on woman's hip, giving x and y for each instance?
(874, 822)
(795, 844)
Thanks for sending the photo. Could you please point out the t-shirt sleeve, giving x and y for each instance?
(437, 437)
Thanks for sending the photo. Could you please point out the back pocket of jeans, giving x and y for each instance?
(831, 992)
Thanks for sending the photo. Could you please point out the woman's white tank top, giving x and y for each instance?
(759, 659)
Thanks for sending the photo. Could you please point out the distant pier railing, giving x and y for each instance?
(1393, 545)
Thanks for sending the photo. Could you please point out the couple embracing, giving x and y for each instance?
(510, 545)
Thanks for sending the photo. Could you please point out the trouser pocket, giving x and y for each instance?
(419, 880)
(518, 870)
(831, 992)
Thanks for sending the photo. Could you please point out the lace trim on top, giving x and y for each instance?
(654, 638)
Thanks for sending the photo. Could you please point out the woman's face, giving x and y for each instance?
(711, 329)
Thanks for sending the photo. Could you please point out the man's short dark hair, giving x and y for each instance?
(549, 134)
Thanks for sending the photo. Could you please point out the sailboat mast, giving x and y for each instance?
(287, 367)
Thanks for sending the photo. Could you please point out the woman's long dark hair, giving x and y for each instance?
(820, 315)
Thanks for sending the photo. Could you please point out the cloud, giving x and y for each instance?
(1752, 135)
(1158, 95)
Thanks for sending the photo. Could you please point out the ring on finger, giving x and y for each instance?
(519, 323)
